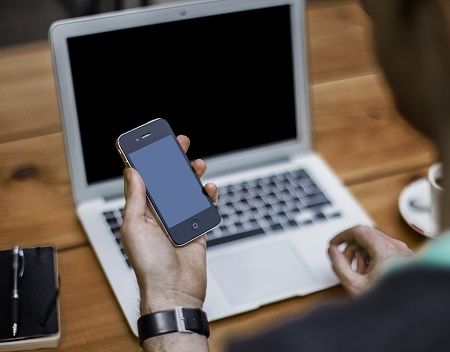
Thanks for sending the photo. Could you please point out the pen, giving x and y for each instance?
(17, 256)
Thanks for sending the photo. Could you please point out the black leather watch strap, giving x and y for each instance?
(187, 320)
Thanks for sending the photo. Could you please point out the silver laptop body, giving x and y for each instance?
(280, 202)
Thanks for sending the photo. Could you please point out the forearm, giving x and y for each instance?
(177, 342)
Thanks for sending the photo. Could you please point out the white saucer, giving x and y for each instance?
(414, 205)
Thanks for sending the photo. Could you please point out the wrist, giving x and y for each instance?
(185, 331)
(177, 342)
(153, 302)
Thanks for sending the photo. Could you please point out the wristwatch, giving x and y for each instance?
(185, 320)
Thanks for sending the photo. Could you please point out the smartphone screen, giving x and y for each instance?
(170, 182)
(173, 189)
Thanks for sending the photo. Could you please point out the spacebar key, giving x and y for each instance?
(234, 237)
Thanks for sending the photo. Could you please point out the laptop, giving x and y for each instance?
(232, 75)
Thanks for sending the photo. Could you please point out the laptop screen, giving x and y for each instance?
(226, 81)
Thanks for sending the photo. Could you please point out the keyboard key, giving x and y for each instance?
(116, 231)
(334, 215)
(272, 184)
(318, 203)
(292, 223)
(276, 227)
(112, 222)
(300, 173)
(234, 237)
(320, 216)
(108, 214)
(312, 190)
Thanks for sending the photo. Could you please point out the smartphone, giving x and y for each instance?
(175, 193)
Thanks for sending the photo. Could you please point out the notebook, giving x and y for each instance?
(39, 323)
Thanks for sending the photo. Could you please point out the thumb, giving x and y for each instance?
(135, 195)
(341, 266)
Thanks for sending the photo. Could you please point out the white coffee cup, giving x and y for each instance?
(435, 179)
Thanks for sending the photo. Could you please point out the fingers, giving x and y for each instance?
(362, 263)
(342, 267)
(362, 236)
(212, 191)
(356, 234)
(356, 257)
(136, 200)
(350, 253)
(184, 142)
(199, 166)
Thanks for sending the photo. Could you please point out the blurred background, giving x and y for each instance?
(23, 21)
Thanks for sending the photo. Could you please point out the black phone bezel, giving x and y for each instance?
(185, 231)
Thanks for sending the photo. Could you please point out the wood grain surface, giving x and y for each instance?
(35, 195)
(356, 129)
(360, 133)
(28, 104)
(344, 25)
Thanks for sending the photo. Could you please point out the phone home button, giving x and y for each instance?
(195, 224)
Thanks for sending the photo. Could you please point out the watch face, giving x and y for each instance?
(169, 321)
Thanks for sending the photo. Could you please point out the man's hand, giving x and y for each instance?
(364, 257)
(167, 276)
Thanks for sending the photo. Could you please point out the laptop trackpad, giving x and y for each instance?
(259, 273)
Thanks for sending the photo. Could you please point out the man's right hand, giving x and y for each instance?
(369, 249)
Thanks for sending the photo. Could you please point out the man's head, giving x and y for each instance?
(413, 45)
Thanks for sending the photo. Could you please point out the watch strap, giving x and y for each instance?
(185, 320)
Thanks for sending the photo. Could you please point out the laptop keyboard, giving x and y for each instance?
(114, 219)
(266, 205)
(272, 204)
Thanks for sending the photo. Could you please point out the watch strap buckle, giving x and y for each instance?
(181, 320)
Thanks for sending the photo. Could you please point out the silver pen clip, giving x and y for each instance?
(22, 263)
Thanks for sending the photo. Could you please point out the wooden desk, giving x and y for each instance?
(357, 130)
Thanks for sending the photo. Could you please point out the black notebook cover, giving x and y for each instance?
(38, 287)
